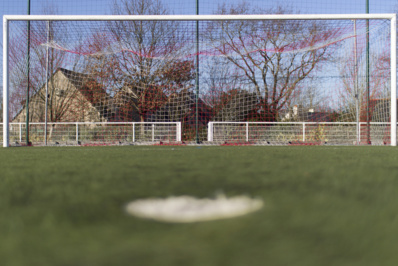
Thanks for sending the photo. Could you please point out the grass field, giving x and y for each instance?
(323, 205)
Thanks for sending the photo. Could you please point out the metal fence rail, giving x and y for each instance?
(339, 133)
(277, 133)
(72, 133)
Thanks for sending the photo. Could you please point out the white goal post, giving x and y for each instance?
(9, 18)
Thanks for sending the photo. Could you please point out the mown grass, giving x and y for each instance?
(323, 205)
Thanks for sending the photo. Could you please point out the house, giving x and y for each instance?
(303, 114)
(379, 110)
(236, 105)
(134, 104)
(124, 105)
(181, 107)
(72, 97)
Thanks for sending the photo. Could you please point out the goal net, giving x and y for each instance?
(224, 79)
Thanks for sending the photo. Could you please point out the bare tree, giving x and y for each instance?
(149, 63)
(55, 59)
(353, 91)
(274, 57)
(43, 59)
(219, 78)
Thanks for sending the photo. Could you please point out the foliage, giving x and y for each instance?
(271, 56)
(319, 133)
(148, 69)
(178, 73)
(234, 105)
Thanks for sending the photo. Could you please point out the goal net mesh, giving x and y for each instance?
(259, 81)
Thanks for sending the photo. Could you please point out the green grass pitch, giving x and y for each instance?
(322, 205)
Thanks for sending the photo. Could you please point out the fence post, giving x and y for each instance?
(303, 131)
(45, 134)
(247, 132)
(210, 131)
(20, 132)
(179, 131)
(133, 132)
(77, 132)
(153, 132)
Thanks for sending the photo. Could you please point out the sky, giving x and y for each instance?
(103, 7)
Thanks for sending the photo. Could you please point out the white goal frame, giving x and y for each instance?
(8, 18)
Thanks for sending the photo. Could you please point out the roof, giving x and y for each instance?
(236, 105)
(86, 85)
(305, 114)
(77, 79)
(379, 110)
(181, 107)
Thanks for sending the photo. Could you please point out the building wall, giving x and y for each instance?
(68, 104)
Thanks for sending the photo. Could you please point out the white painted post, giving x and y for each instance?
(45, 133)
(77, 132)
(179, 131)
(304, 132)
(133, 132)
(6, 129)
(153, 132)
(46, 101)
(20, 132)
(247, 131)
(393, 134)
(210, 131)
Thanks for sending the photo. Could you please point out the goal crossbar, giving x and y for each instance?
(8, 18)
(197, 17)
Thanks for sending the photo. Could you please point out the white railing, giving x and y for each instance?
(96, 132)
(344, 133)
(279, 133)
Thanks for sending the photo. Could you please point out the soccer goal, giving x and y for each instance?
(209, 79)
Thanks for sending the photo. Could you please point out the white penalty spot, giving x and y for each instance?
(187, 209)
